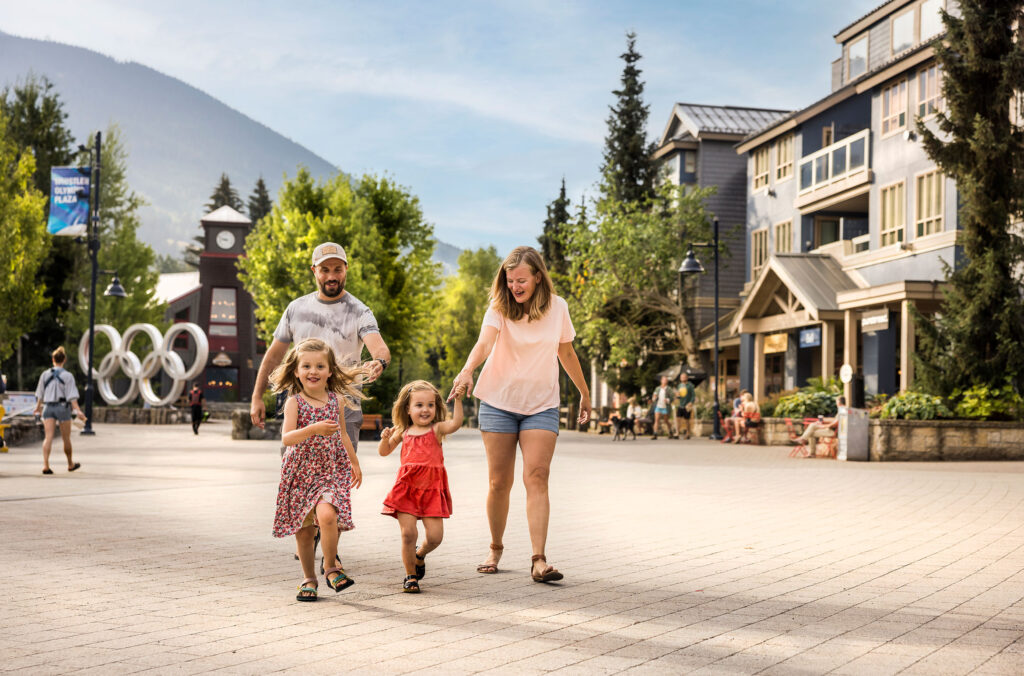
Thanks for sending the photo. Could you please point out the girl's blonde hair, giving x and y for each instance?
(503, 300)
(400, 411)
(340, 380)
(58, 355)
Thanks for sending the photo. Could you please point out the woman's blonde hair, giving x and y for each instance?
(59, 355)
(503, 300)
(340, 380)
(400, 411)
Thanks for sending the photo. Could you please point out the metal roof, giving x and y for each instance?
(817, 277)
(225, 215)
(171, 286)
(726, 119)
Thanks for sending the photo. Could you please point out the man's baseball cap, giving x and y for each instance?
(328, 250)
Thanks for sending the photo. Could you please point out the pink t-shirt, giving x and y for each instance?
(521, 373)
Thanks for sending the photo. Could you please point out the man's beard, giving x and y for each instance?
(336, 292)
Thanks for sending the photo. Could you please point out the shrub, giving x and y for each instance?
(806, 404)
(770, 405)
(988, 403)
(915, 406)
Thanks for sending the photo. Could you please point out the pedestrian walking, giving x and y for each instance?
(421, 490)
(56, 398)
(663, 397)
(195, 402)
(320, 466)
(684, 408)
(526, 333)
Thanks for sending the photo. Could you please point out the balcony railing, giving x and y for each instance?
(833, 163)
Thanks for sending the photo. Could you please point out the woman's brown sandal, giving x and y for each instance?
(550, 574)
(490, 568)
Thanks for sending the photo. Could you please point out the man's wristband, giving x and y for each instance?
(383, 363)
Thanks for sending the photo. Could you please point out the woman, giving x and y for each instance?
(56, 396)
(526, 333)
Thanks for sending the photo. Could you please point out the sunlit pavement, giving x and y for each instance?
(678, 557)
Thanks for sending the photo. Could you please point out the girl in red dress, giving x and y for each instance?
(421, 490)
(319, 466)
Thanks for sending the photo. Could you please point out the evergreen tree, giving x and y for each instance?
(36, 125)
(551, 240)
(628, 172)
(259, 202)
(978, 337)
(224, 194)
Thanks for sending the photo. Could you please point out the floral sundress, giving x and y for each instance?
(316, 470)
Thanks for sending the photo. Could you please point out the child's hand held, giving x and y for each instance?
(387, 432)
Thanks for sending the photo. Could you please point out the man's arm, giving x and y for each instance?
(378, 350)
(275, 353)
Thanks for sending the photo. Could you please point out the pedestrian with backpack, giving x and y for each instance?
(56, 397)
(195, 402)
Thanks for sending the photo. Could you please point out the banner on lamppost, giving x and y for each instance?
(69, 201)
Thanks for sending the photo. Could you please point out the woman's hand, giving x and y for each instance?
(325, 428)
(584, 410)
(357, 474)
(463, 385)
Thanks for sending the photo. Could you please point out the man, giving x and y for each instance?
(195, 402)
(825, 427)
(334, 316)
(663, 397)
(684, 410)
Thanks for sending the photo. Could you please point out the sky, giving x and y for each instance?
(478, 108)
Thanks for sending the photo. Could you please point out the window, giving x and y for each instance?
(689, 162)
(893, 214)
(758, 251)
(894, 107)
(828, 135)
(223, 317)
(931, 20)
(929, 99)
(784, 158)
(857, 59)
(784, 237)
(826, 230)
(761, 167)
(928, 204)
(903, 31)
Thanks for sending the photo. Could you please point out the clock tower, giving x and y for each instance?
(225, 308)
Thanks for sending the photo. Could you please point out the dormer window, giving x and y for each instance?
(903, 31)
(931, 19)
(919, 23)
(857, 59)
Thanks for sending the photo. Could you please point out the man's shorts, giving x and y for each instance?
(683, 412)
(494, 419)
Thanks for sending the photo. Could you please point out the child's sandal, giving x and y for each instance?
(421, 566)
(410, 585)
(307, 593)
(340, 581)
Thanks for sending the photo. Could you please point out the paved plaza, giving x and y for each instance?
(679, 557)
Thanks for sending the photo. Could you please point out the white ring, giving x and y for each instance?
(142, 372)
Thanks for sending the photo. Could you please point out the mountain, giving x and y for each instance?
(179, 139)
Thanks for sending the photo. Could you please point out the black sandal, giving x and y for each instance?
(307, 593)
(421, 568)
(410, 585)
(340, 581)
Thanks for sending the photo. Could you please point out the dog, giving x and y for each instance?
(623, 426)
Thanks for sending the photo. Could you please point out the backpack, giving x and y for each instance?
(195, 397)
(55, 373)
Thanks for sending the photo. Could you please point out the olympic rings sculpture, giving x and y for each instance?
(140, 372)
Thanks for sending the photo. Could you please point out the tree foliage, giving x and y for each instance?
(978, 337)
(625, 286)
(464, 300)
(224, 195)
(628, 172)
(389, 247)
(260, 203)
(120, 250)
(553, 235)
(23, 242)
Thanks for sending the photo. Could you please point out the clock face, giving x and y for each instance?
(225, 239)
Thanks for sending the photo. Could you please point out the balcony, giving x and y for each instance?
(836, 174)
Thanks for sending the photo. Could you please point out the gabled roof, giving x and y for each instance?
(225, 215)
(695, 120)
(868, 19)
(814, 280)
(171, 286)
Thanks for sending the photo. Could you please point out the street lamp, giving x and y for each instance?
(115, 289)
(692, 266)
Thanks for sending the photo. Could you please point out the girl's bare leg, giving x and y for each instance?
(327, 519)
(49, 429)
(65, 435)
(304, 545)
(433, 527)
(407, 522)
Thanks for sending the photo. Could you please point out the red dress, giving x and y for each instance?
(422, 485)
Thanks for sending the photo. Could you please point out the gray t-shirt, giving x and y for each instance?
(340, 323)
(56, 384)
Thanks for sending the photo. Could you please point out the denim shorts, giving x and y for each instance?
(59, 412)
(493, 419)
(662, 410)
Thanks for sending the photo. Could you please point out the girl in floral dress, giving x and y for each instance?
(421, 491)
(319, 465)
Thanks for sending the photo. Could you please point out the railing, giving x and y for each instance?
(835, 162)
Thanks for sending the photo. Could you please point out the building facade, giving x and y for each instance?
(848, 222)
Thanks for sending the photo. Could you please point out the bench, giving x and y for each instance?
(373, 423)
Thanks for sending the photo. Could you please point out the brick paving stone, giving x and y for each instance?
(767, 565)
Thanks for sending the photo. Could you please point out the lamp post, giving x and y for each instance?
(115, 289)
(692, 266)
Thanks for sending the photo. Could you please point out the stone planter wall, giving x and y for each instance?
(242, 427)
(945, 440)
(140, 416)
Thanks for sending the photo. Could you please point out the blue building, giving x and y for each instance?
(848, 222)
